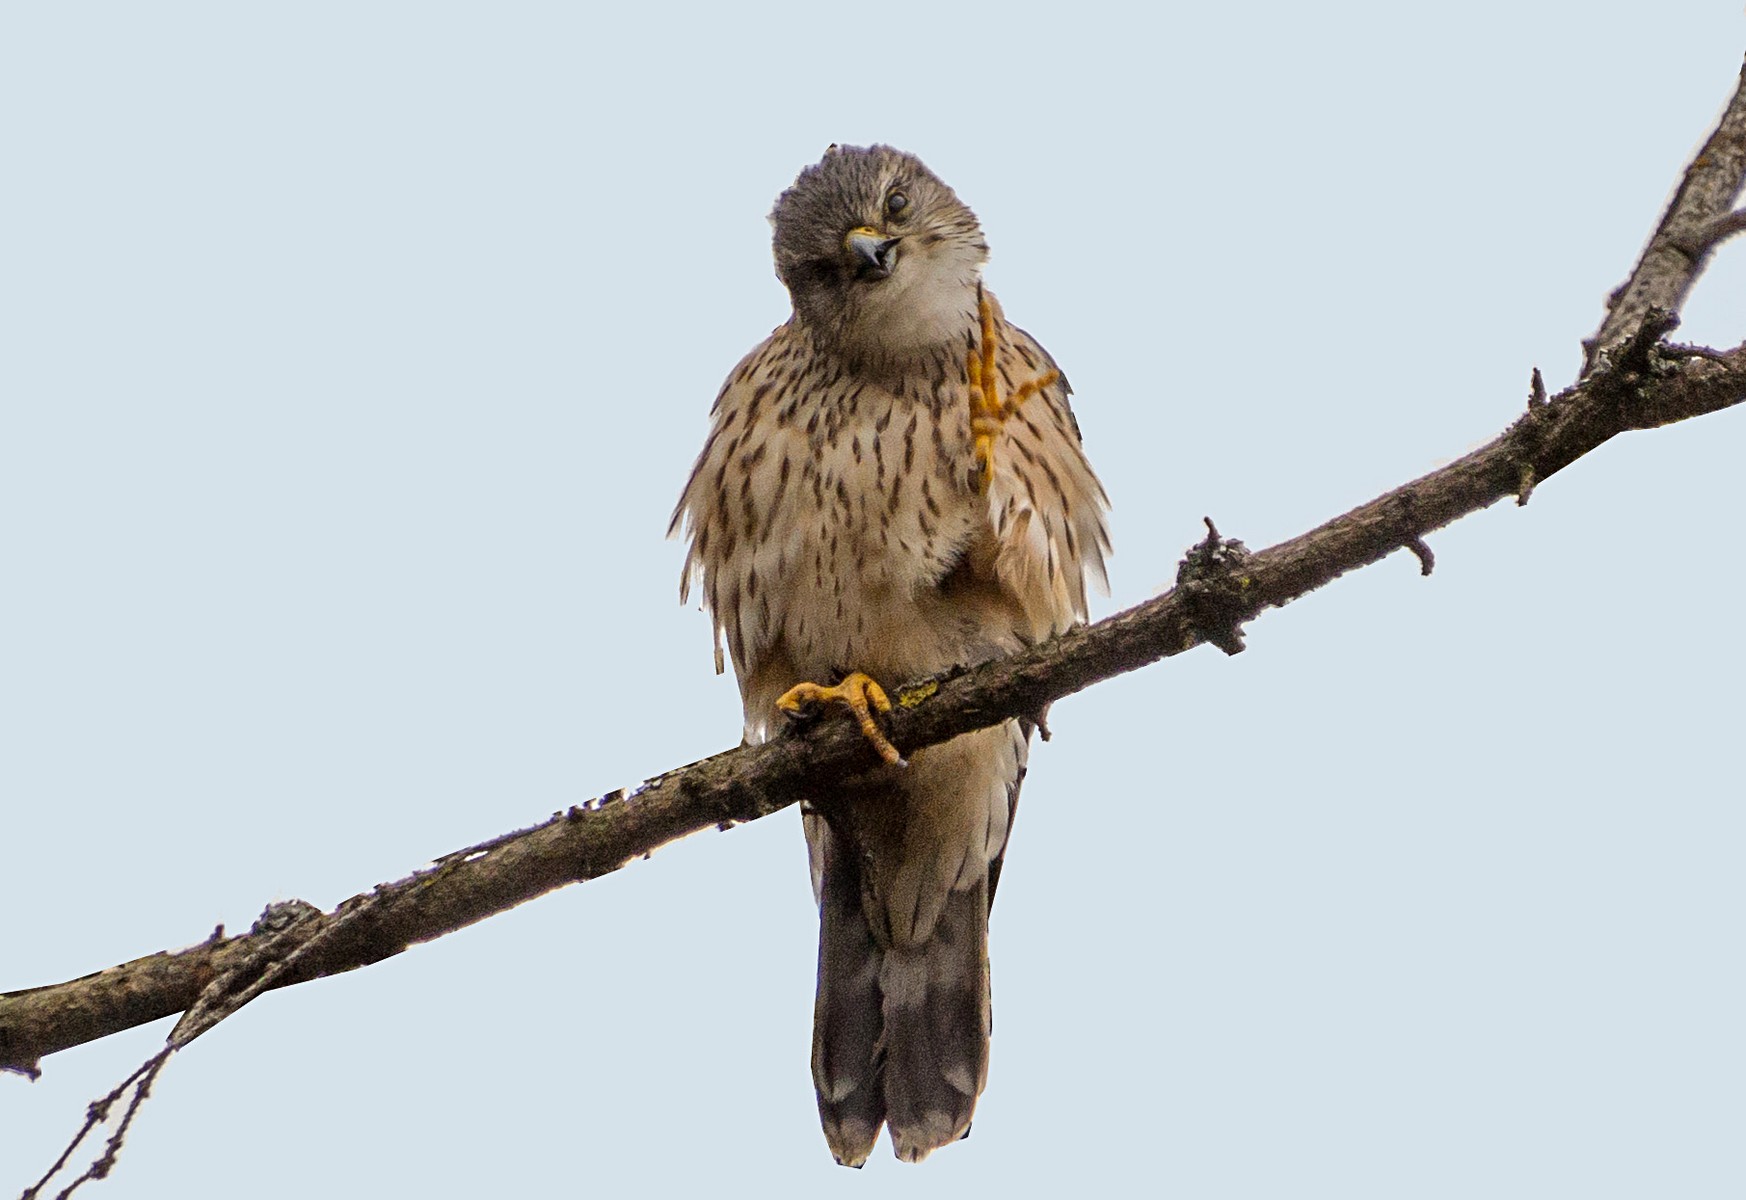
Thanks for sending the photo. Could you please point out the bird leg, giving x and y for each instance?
(860, 694)
(988, 409)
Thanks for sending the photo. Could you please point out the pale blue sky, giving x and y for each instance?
(354, 355)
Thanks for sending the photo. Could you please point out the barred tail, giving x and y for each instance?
(847, 1046)
(936, 1009)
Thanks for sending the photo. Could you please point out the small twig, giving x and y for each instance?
(1524, 484)
(1411, 539)
(1720, 230)
(1422, 551)
(1528, 430)
(1209, 575)
(281, 934)
(96, 1114)
(1636, 354)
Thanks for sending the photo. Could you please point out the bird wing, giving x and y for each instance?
(729, 537)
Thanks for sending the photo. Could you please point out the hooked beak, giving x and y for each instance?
(873, 252)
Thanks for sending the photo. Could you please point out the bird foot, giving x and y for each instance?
(988, 409)
(860, 694)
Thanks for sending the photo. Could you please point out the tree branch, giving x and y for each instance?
(1697, 220)
(1643, 385)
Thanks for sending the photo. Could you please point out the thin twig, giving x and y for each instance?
(140, 1082)
(1722, 228)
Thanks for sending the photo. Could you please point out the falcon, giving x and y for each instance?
(892, 485)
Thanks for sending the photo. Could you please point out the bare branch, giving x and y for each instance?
(1696, 220)
(1644, 385)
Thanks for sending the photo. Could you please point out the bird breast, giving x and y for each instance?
(881, 512)
(826, 511)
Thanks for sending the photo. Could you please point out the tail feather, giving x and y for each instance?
(847, 1042)
(936, 1014)
(904, 870)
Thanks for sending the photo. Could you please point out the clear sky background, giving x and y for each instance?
(354, 355)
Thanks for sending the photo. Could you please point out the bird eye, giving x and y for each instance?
(896, 202)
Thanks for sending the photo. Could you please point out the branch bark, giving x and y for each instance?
(1644, 384)
(1697, 220)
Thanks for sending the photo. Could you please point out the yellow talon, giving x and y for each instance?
(988, 411)
(860, 694)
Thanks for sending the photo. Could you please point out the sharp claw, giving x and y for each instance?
(860, 694)
(796, 700)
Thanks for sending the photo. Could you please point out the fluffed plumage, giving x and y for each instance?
(838, 523)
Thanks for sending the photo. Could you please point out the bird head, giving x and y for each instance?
(880, 257)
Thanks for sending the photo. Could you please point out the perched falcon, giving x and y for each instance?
(893, 484)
